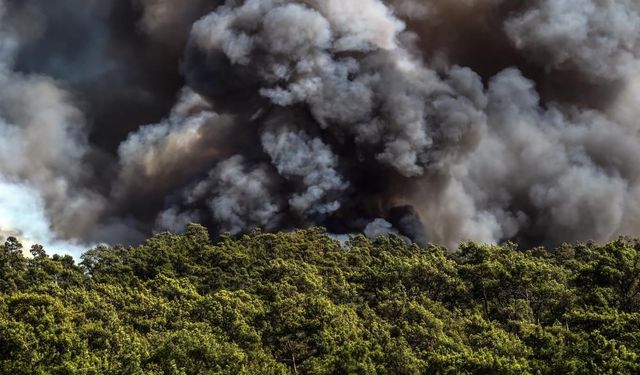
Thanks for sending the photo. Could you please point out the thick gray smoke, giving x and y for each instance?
(437, 120)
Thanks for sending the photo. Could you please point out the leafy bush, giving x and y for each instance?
(301, 302)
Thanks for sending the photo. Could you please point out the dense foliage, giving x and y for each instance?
(303, 303)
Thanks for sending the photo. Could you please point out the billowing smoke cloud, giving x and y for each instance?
(42, 149)
(600, 39)
(436, 120)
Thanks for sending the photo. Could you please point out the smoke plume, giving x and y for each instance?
(439, 121)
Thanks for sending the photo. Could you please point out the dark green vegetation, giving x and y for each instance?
(300, 302)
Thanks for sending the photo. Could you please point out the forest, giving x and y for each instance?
(305, 303)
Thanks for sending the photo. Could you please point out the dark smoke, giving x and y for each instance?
(436, 120)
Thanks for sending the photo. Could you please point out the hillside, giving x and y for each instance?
(303, 303)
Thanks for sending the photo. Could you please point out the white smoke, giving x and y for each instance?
(23, 215)
(296, 156)
(598, 38)
(239, 197)
(42, 146)
(379, 227)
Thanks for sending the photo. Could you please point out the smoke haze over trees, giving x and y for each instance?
(441, 121)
